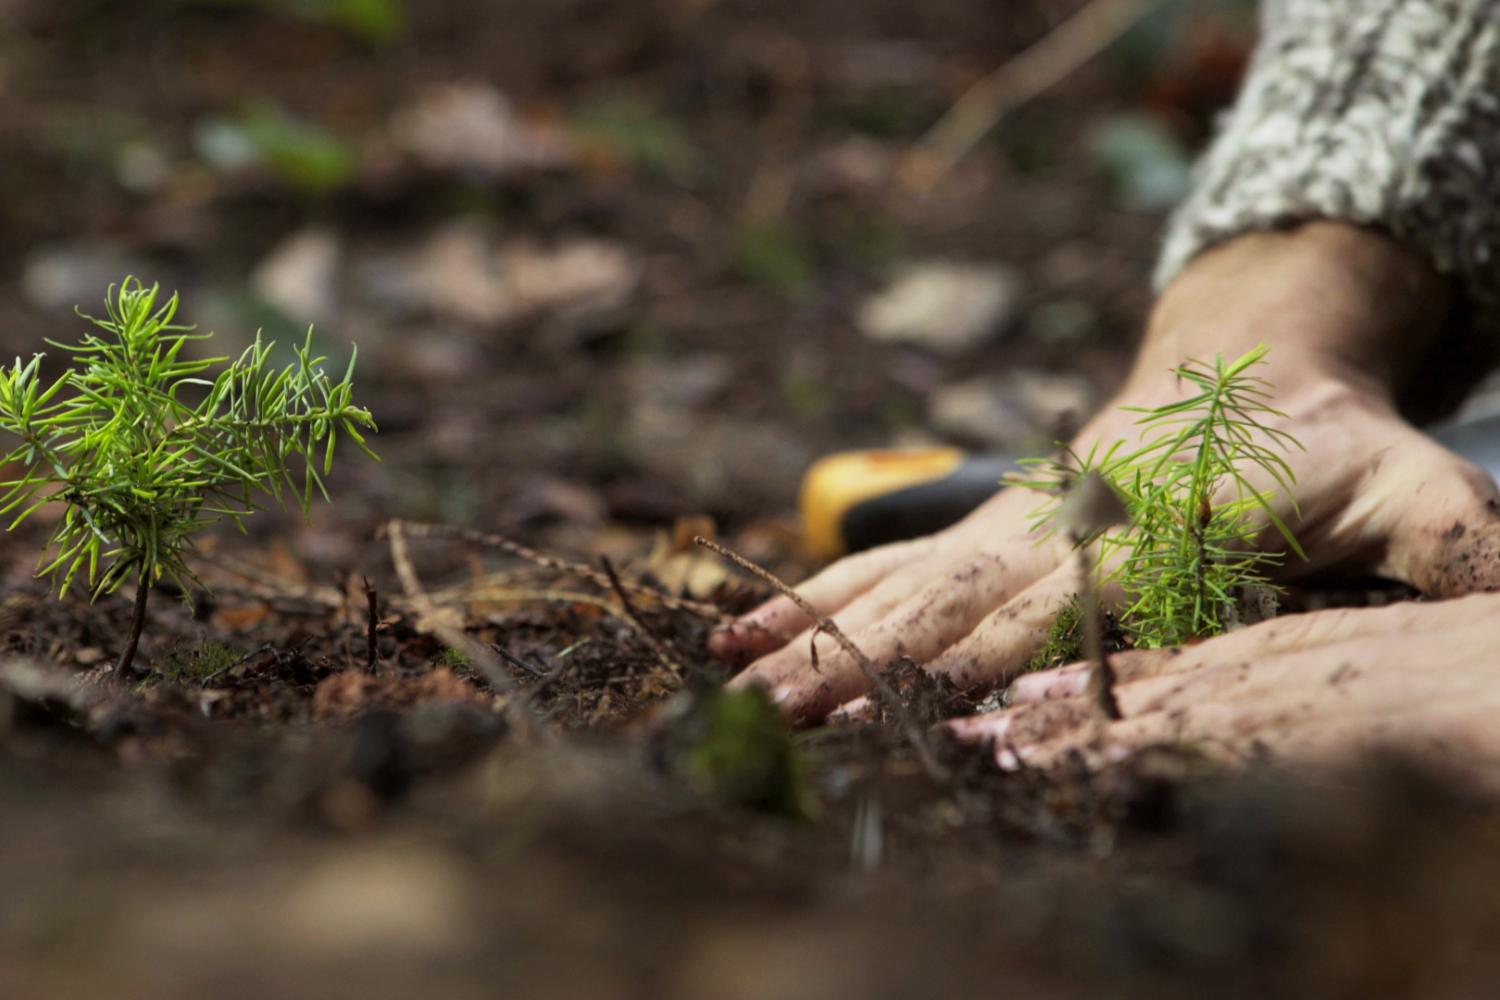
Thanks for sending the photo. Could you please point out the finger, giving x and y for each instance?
(1004, 642)
(861, 709)
(934, 616)
(885, 576)
(1050, 685)
(771, 625)
(1343, 695)
(1029, 725)
(1268, 638)
(1101, 744)
(1455, 730)
(1442, 515)
(1288, 634)
(802, 662)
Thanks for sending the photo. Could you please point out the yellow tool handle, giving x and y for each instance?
(859, 499)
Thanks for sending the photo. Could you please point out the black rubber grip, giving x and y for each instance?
(926, 507)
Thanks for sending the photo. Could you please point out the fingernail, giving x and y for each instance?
(1007, 760)
(781, 694)
(727, 643)
(980, 727)
(857, 710)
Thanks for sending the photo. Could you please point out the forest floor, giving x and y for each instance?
(608, 266)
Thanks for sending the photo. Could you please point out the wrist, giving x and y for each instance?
(1334, 302)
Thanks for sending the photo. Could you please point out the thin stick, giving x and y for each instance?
(512, 547)
(480, 656)
(1101, 672)
(914, 734)
(372, 653)
(274, 587)
(660, 646)
(241, 661)
(517, 662)
(514, 595)
(1046, 63)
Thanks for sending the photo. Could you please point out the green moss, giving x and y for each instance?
(210, 658)
(746, 756)
(1064, 642)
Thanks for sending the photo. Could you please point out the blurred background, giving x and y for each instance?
(610, 263)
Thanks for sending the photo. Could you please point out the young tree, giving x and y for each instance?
(1187, 547)
(147, 447)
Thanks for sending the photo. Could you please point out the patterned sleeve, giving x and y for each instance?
(1378, 112)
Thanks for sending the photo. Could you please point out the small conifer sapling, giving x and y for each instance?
(1198, 490)
(147, 447)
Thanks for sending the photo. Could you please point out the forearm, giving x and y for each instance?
(1332, 301)
(1382, 114)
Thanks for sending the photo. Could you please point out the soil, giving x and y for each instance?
(294, 798)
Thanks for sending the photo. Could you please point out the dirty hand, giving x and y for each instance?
(1348, 316)
(1318, 687)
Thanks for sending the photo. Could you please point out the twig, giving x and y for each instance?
(428, 620)
(517, 662)
(273, 586)
(512, 547)
(240, 662)
(516, 595)
(372, 600)
(1023, 78)
(914, 734)
(662, 647)
(545, 678)
(1101, 672)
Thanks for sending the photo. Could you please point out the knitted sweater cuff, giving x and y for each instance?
(1376, 112)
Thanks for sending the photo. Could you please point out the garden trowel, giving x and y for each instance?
(856, 500)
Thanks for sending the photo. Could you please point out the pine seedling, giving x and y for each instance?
(146, 447)
(1188, 548)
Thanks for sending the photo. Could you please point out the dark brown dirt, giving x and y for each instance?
(261, 813)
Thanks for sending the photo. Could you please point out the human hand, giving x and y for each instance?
(1346, 312)
(1421, 677)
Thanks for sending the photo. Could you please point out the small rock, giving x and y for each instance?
(460, 274)
(141, 167)
(579, 275)
(68, 275)
(300, 275)
(943, 306)
(473, 128)
(25, 682)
